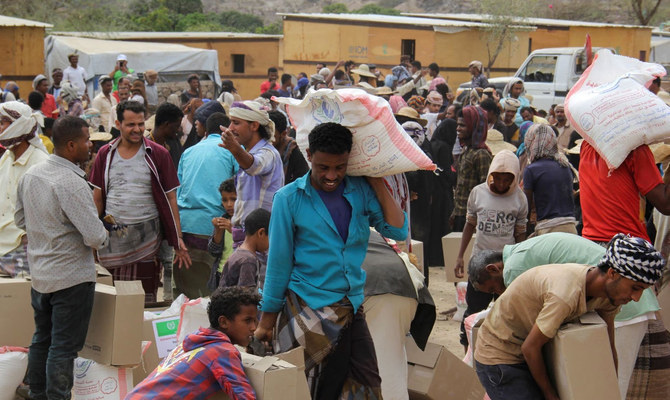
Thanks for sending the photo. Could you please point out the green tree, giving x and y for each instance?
(376, 9)
(275, 28)
(239, 22)
(158, 20)
(503, 19)
(336, 8)
(197, 22)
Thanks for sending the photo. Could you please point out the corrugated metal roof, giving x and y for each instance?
(386, 19)
(530, 21)
(12, 21)
(167, 35)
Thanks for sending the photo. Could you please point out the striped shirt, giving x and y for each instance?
(256, 185)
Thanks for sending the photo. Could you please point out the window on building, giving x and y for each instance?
(643, 55)
(238, 63)
(408, 48)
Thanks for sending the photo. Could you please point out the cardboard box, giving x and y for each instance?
(17, 324)
(114, 337)
(451, 244)
(437, 374)
(579, 361)
(103, 276)
(161, 332)
(417, 249)
(273, 378)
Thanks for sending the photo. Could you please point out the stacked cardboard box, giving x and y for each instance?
(114, 337)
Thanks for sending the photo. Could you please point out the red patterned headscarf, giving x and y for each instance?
(476, 122)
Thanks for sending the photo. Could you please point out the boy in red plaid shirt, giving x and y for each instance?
(207, 362)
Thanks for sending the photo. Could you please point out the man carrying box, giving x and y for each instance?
(509, 357)
(493, 271)
(54, 204)
(206, 362)
(319, 233)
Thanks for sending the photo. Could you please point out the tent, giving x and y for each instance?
(174, 62)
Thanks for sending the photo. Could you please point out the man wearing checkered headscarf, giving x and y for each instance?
(633, 258)
(18, 133)
(529, 313)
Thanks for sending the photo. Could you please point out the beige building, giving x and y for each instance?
(22, 52)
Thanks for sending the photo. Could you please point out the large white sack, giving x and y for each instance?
(381, 147)
(93, 381)
(13, 365)
(193, 316)
(611, 107)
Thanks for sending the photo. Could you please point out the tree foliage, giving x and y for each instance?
(336, 8)
(503, 19)
(376, 9)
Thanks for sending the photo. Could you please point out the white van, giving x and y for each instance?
(548, 74)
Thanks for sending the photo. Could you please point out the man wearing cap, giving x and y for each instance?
(120, 70)
(151, 90)
(75, 74)
(49, 107)
(18, 134)
(228, 86)
(511, 130)
(478, 77)
(261, 174)
(566, 134)
(57, 76)
(533, 307)
(105, 103)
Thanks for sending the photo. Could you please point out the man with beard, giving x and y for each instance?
(534, 306)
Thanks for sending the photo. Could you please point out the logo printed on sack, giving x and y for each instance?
(81, 367)
(109, 386)
(371, 146)
(587, 121)
(325, 110)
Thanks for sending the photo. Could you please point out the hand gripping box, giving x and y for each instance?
(451, 244)
(276, 377)
(579, 361)
(115, 331)
(437, 374)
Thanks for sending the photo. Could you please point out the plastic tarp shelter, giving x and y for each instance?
(174, 62)
(660, 50)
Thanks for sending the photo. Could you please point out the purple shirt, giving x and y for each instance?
(339, 209)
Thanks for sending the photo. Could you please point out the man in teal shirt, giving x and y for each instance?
(494, 271)
(201, 170)
(318, 240)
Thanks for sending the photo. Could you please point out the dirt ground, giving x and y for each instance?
(446, 331)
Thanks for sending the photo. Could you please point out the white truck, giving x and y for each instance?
(548, 75)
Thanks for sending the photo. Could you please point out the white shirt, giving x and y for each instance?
(77, 78)
(11, 171)
(107, 108)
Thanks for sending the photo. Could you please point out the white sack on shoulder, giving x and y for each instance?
(611, 107)
(380, 146)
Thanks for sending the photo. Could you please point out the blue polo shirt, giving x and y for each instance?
(307, 253)
(202, 168)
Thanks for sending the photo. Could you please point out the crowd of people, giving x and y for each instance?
(214, 198)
